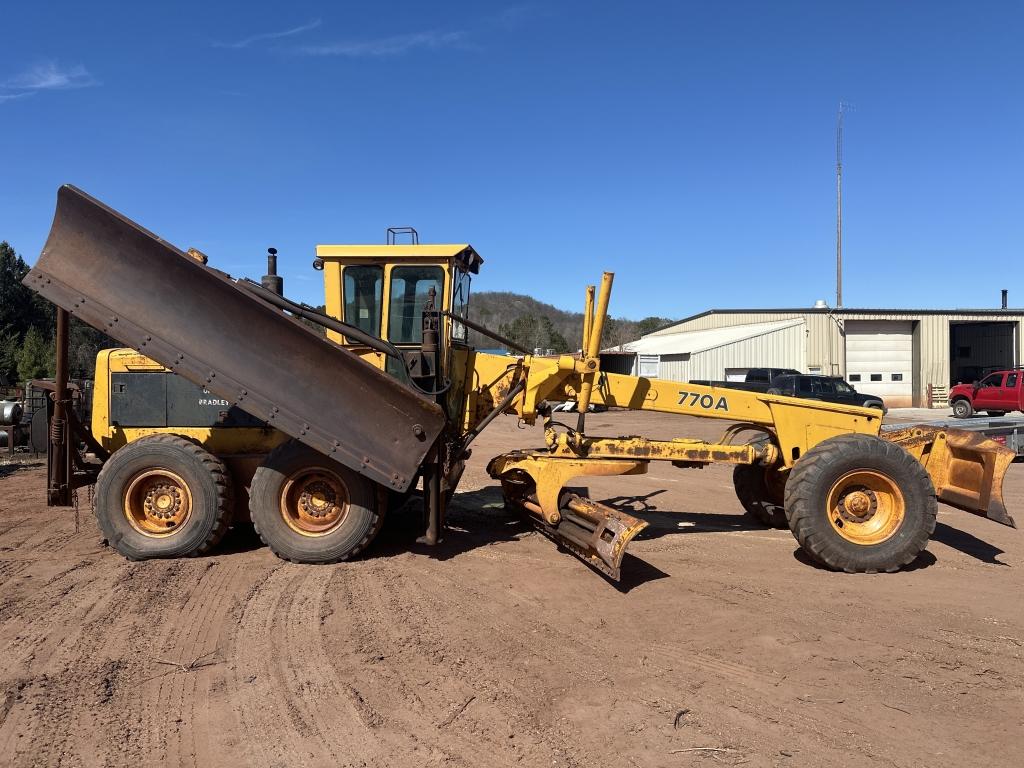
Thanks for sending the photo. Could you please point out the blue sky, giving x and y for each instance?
(686, 146)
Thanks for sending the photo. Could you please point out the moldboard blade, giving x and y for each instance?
(147, 294)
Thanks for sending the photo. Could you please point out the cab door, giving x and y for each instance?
(1004, 398)
(987, 395)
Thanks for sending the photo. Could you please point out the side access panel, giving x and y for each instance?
(147, 294)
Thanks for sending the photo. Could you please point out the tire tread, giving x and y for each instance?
(281, 454)
(805, 519)
(213, 466)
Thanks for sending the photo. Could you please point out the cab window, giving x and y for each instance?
(410, 288)
(994, 380)
(364, 285)
(460, 304)
(842, 387)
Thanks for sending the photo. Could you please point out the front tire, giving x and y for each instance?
(310, 509)
(859, 504)
(962, 409)
(163, 496)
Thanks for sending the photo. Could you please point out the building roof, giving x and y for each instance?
(689, 342)
(1014, 312)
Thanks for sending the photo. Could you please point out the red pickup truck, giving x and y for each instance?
(996, 394)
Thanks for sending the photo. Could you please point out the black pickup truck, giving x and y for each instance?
(831, 389)
(786, 381)
(757, 379)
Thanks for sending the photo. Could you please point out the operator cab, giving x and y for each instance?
(383, 289)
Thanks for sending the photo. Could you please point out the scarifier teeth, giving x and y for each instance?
(595, 533)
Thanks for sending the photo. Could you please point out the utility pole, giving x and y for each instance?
(839, 204)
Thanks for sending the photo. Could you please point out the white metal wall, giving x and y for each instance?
(785, 348)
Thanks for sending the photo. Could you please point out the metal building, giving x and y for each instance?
(906, 356)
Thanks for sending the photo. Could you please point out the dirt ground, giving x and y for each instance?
(721, 646)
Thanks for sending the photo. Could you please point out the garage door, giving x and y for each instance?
(879, 359)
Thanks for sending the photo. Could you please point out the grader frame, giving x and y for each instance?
(244, 344)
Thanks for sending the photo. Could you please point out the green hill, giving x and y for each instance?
(534, 324)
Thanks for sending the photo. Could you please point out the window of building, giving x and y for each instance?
(897, 377)
(854, 377)
(410, 291)
(876, 377)
(363, 286)
(648, 366)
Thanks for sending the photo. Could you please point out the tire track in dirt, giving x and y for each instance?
(294, 712)
(55, 655)
(168, 694)
(109, 649)
(407, 668)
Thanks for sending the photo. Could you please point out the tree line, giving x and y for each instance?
(535, 325)
(27, 326)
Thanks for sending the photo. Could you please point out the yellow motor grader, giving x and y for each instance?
(226, 404)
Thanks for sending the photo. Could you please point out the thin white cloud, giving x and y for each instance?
(246, 42)
(388, 46)
(11, 96)
(47, 76)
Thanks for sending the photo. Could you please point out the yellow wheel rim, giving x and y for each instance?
(314, 502)
(866, 507)
(157, 503)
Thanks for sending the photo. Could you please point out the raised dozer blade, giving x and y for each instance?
(147, 294)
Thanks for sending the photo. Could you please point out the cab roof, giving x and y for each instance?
(463, 253)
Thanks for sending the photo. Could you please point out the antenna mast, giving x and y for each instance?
(839, 204)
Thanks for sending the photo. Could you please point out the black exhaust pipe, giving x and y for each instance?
(271, 281)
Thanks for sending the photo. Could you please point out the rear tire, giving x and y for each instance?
(310, 509)
(962, 409)
(859, 504)
(163, 496)
(761, 491)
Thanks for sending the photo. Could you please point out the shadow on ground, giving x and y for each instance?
(667, 522)
(924, 560)
(967, 543)
(15, 466)
(479, 519)
(474, 519)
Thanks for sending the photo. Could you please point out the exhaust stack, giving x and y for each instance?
(272, 281)
(1006, 294)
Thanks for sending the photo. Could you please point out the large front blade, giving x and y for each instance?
(966, 468)
(144, 292)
